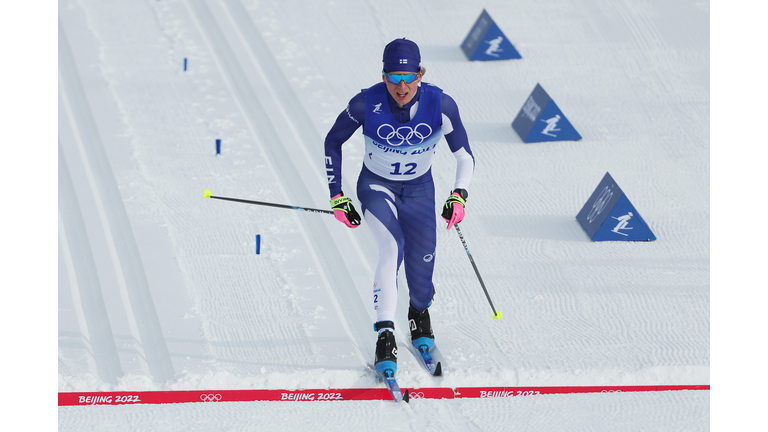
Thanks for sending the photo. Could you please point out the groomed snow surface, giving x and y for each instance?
(161, 289)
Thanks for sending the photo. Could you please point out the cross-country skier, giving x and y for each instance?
(403, 119)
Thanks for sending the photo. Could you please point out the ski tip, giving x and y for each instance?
(207, 193)
(438, 369)
(406, 396)
(497, 315)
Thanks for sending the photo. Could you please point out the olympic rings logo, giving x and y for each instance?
(599, 205)
(210, 397)
(404, 134)
(415, 395)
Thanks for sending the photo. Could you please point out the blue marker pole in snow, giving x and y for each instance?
(185, 64)
(218, 146)
(258, 243)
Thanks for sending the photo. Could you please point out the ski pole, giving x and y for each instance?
(207, 194)
(496, 314)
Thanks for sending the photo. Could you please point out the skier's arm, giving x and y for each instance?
(346, 124)
(456, 136)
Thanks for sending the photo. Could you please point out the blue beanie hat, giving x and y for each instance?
(401, 55)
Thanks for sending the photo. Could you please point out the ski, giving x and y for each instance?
(434, 367)
(388, 376)
(394, 389)
(427, 360)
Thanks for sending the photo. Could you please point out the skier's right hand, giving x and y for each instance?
(344, 211)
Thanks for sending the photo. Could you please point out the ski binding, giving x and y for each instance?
(426, 346)
(387, 375)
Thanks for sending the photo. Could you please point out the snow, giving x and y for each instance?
(161, 289)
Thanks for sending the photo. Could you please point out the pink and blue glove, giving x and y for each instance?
(344, 211)
(453, 210)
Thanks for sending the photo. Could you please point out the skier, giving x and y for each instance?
(493, 46)
(403, 119)
(623, 222)
(551, 125)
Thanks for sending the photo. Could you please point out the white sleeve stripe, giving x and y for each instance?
(465, 167)
(447, 125)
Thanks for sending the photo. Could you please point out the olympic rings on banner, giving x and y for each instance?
(404, 134)
(210, 397)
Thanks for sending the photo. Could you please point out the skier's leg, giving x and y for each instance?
(418, 221)
(381, 216)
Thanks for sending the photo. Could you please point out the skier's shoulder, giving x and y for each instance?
(356, 107)
(449, 106)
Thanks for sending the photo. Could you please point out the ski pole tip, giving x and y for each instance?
(207, 193)
(497, 315)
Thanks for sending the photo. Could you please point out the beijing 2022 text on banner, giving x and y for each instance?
(609, 216)
(344, 394)
(486, 41)
(540, 119)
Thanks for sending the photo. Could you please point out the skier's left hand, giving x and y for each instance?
(453, 209)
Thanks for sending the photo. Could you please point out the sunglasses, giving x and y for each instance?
(396, 78)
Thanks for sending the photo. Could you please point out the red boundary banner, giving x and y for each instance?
(188, 396)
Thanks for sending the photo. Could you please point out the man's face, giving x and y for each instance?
(401, 92)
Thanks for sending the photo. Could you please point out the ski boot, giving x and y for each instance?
(421, 329)
(386, 348)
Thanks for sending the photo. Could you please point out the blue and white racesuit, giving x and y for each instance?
(395, 187)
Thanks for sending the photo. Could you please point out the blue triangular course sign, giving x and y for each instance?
(486, 41)
(608, 215)
(540, 119)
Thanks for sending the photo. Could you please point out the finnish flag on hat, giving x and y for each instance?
(401, 55)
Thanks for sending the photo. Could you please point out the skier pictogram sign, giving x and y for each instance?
(486, 41)
(540, 119)
(608, 215)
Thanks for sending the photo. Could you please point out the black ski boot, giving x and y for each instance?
(386, 348)
(421, 329)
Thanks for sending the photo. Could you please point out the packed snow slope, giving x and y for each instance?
(160, 288)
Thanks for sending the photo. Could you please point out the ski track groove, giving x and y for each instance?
(84, 281)
(117, 229)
